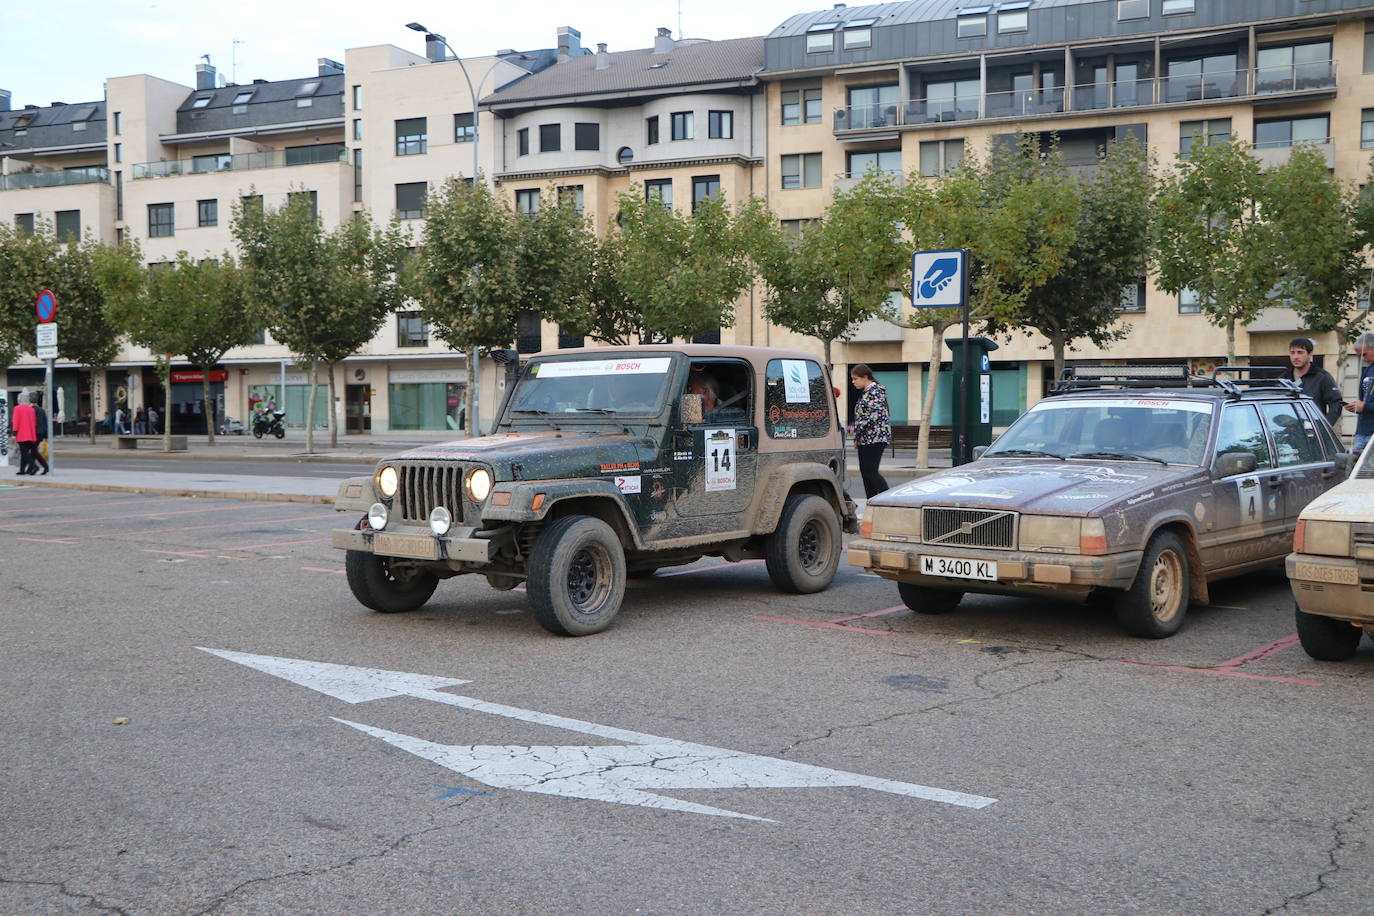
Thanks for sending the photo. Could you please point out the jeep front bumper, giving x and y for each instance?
(1340, 587)
(459, 546)
(1018, 572)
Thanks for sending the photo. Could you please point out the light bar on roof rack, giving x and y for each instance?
(1144, 372)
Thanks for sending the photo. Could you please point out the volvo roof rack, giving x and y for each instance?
(1077, 378)
(1252, 378)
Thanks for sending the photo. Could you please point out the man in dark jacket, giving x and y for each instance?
(1316, 383)
(40, 417)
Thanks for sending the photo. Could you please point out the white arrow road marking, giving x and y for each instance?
(612, 773)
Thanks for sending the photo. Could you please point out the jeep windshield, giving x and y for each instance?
(1172, 430)
(625, 386)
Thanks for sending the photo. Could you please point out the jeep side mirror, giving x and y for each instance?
(1231, 463)
(690, 409)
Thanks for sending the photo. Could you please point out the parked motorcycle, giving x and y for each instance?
(269, 423)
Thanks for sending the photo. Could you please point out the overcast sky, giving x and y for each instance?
(64, 52)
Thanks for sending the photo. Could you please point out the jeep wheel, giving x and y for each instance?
(379, 587)
(1156, 602)
(926, 600)
(576, 576)
(803, 554)
(1325, 638)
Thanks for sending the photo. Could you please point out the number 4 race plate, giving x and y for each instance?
(958, 569)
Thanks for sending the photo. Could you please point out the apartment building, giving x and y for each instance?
(909, 87)
(828, 95)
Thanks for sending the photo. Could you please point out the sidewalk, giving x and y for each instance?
(356, 453)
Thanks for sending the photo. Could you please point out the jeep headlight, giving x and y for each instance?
(388, 480)
(479, 484)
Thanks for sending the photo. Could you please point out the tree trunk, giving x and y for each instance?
(310, 408)
(937, 337)
(164, 372)
(333, 409)
(1057, 347)
(1231, 342)
(90, 423)
(205, 401)
(471, 394)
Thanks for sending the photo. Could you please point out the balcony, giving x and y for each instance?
(271, 159)
(55, 179)
(1259, 84)
(846, 181)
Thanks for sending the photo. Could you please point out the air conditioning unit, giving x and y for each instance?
(842, 119)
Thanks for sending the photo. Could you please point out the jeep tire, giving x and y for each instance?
(1325, 638)
(803, 553)
(926, 600)
(377, 586)
(1157, 601)
(576, 576)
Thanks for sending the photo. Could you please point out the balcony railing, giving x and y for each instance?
(1273, 153)
(270, 159)
(847, 181)
(55, 179)
(1181, 90)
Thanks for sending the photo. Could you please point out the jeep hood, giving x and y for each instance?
(1046, 486)
(545, 453)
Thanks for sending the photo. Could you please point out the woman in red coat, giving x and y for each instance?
(24, 425)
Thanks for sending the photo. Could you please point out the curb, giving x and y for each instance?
(185, 491)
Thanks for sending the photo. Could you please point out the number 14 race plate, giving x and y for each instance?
(958, 569)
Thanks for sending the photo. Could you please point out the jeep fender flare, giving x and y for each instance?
(808, 477)
(597, 497)
(355, 493)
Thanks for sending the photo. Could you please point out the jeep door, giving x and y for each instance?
(714, 477)
(1249, 507)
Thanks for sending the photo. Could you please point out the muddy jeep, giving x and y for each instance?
(606, 463)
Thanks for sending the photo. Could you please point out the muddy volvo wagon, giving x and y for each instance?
(613, 462)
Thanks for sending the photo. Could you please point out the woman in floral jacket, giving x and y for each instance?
(872, 428)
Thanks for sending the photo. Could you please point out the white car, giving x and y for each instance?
(1331, 568)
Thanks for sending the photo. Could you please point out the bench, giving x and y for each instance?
(908, 436)
(178, 443)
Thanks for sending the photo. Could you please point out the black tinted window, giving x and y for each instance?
(1295, 437)
(1241, 432)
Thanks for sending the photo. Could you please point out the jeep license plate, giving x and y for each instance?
(406, 545)
(958, 569)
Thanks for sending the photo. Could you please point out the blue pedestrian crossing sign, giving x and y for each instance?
(937, 278)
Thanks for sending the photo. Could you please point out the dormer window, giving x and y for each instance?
(820, 38)
(858, 33)
(1013, 16)
(973, 22)
(242, 98)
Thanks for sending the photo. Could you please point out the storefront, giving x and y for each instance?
(427, 399)
(186, 406)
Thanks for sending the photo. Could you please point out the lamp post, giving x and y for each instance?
(474, 371)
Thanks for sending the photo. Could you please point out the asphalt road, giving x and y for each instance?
(651, 768)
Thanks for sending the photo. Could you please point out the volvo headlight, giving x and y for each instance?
(479, 484)
(388, 480)
(440, 521)
(377, 516)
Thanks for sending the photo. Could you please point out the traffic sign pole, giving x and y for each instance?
(45, 306)
(48, 403)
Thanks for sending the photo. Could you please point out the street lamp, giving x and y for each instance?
(474, 370)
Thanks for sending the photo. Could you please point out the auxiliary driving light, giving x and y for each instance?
(377, 516)
(479, 484)
(388, 481)
(440, 521)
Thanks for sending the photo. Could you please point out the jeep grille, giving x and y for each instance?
(424, 486)
(968, 527)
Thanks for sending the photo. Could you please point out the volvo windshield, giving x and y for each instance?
(625, 386)
(1124, 429)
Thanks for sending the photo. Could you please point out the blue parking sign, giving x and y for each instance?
(937, 278)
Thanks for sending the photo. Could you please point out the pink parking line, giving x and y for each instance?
(824, 624)
(179, 553)
(204, 553)
(48, 540)
(256, 521)
(882, 613)
(119, 518)
(1231, 668)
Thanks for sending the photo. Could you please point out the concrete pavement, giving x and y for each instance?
(276, 483)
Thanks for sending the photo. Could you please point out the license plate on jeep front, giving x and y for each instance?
(953, 568)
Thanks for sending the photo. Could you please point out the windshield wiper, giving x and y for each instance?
(603, 410)
(542, 413)
(1025, 452)
(1123, 456)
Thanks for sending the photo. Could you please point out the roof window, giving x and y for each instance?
(243, 97)
(972, 22)
(1013, 16)
(820, 37)
(308, 88)
(201, 102)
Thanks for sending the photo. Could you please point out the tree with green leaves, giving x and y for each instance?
(30, 263)
(466, 274)
(1213, 235)
(1015, 214)
(839, 270)
(323, 295)
(1317, 224)
(1110, 248)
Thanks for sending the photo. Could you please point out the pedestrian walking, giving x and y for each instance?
(152, 420)
(1317, 384)
(40, 428)
(872, 428)
(24, 430)
(1364, 405)
(119, 428)
(140, 422)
